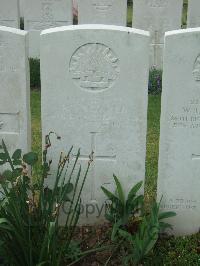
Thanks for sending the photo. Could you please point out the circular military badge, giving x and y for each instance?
(94, 67)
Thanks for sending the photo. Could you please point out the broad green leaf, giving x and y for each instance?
(52, 227)
(7, 174)
(153, 231)
(125, 235)
(17, 154)
(17, 162)
(134, 190)
(151, 245)
(110, 195)
(115, 229)
(135, 203)
(3, 156)
(30, 158)
(17, 172)
(4, 224)
(164, 226)
(119, 190)
(165, 215)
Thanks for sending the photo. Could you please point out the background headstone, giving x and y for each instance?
(157, 16)
(44, 14)
(193, 14)
(9, 13)
(15, 90)
(96, 99)
(75, 8)
(109, 12)
(179, 159)
(22, 7)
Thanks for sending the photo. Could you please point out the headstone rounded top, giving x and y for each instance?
(96, 27)
(182, 32)
(13, 30)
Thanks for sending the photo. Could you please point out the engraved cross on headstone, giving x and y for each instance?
(155, 44)
(96, 157)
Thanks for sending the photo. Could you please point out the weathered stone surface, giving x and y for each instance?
(109, 12)
(179, 160)
(157, 16)
(193, 14)
(15, 89)
(9, 13)
(96, 99)
(22, 7)
(44, 14)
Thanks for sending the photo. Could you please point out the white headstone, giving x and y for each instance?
(96, 100)
(157, 16)
(21, 7)
(44, 14)
(179, 161)
(15, 89)
(109, 12)
(193, 14)
(9, 13)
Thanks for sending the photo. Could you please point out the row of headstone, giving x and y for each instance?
(193, 19)
(42, 14)
(156, 16)
(110, 12)
(9, 13)
(96, 99)
(15, 89)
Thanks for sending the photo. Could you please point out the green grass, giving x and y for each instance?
(36, 130)
(152, 147)
(129, 15)
(184, 15)
(180, 251)
(36, 121)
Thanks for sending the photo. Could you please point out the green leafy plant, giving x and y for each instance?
(122, 209)
(29, 212)
(141, 243)
(155, 81)
(133, 232)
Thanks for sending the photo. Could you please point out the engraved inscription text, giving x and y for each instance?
(196, 70)
(102, 5)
